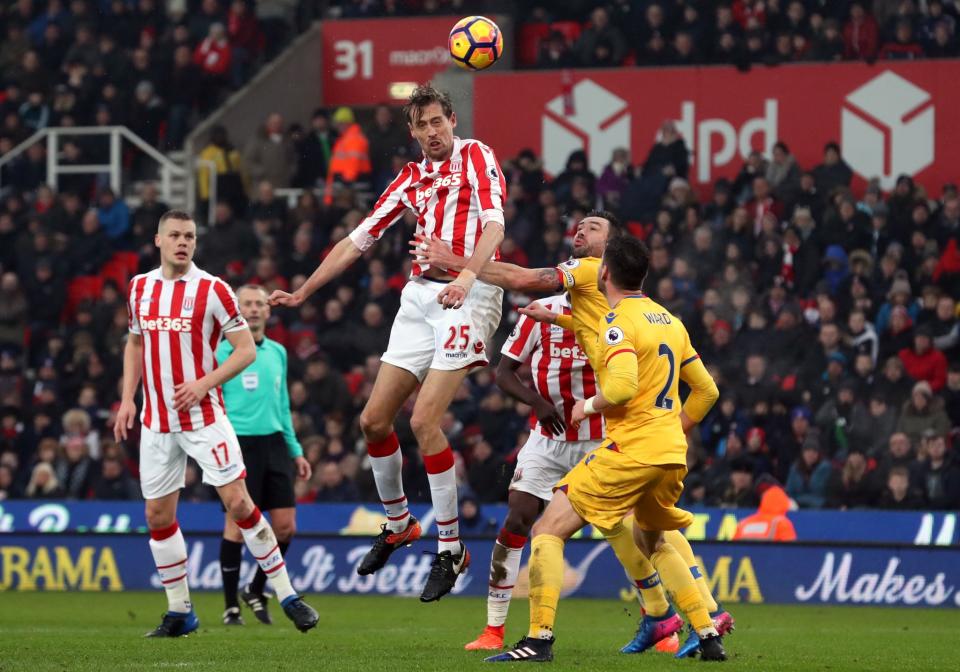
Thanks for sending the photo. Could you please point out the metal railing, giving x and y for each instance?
(168, 168)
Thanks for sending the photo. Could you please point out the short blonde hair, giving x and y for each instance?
(78, 417)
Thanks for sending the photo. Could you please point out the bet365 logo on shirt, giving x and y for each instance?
(166, 324)
(454, 180)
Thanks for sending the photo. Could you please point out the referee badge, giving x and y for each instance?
(250, 380)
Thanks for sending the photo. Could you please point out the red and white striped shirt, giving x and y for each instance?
(181, 322)
(558, 366)
(453, 199)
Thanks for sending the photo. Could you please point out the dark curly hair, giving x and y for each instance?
(422, 96)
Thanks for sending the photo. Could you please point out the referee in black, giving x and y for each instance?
(258, 405)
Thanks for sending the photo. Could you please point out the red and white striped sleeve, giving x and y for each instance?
(386, 212)
(488, 183)
(226, 309)
(133, 322)
(523, 340)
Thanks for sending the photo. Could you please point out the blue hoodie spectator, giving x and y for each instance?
(114, 215)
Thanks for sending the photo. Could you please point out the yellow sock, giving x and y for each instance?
(638, 568)
(679, 581)
(546, 580)
(676, 539)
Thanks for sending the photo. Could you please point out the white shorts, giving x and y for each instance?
(425, 336)
(163, 457)
(543, 461)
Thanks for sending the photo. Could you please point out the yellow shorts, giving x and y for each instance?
(607, 484)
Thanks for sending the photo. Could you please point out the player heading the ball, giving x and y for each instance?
(443, 326)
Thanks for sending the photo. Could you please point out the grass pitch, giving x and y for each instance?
(97, 631)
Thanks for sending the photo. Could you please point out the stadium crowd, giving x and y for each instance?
(153, 66)
(587, 33)
(829, 320)
(828, 317)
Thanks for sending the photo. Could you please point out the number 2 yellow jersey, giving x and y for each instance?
(644, 349)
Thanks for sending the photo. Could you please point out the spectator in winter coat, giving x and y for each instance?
(601, 31)
(940, 475)
(923, 411)
(924, 362)
(807, 482)
(861, 34)
(90, 250)
(951, 393)
(246, 40)
(903, 47)
(271, 155)
(833, 172)
(43, 483)
(899, 494)
(861, 336)
(114, 483)
(947, 272)
(876, 422)
(214, 56)
(114, 215)
(852, 486)
(783, 173)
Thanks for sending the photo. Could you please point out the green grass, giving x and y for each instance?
(97, 631)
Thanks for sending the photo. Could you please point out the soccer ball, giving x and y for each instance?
(475, 43)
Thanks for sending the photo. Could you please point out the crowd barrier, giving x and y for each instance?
(855, 557)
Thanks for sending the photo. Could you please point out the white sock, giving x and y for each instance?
(387, 463)
(443, 491)
(170, 556)
(262, 543)
(504, 568)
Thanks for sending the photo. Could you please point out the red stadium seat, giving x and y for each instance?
(82, 288)
(115, 270)
(532, 35)
(131, 260)
(570, 30)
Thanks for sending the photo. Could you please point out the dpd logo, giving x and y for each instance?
(599, 124)
(888, 129)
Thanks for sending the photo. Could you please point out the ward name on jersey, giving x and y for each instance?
(639, 332)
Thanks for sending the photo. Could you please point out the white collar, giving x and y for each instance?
(192, 274)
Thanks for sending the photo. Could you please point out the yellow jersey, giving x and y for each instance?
(588, 304)
(645, 351)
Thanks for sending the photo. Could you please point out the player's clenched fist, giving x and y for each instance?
(281, 298)
(125, 415)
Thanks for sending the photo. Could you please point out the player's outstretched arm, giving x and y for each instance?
(341, 256)
(509, 381)
(132, 363)
(454, 294)
(187, 395)
(703, 392)
(515, 278)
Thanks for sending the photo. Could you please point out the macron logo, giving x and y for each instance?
(888, 128)
(599, 125)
